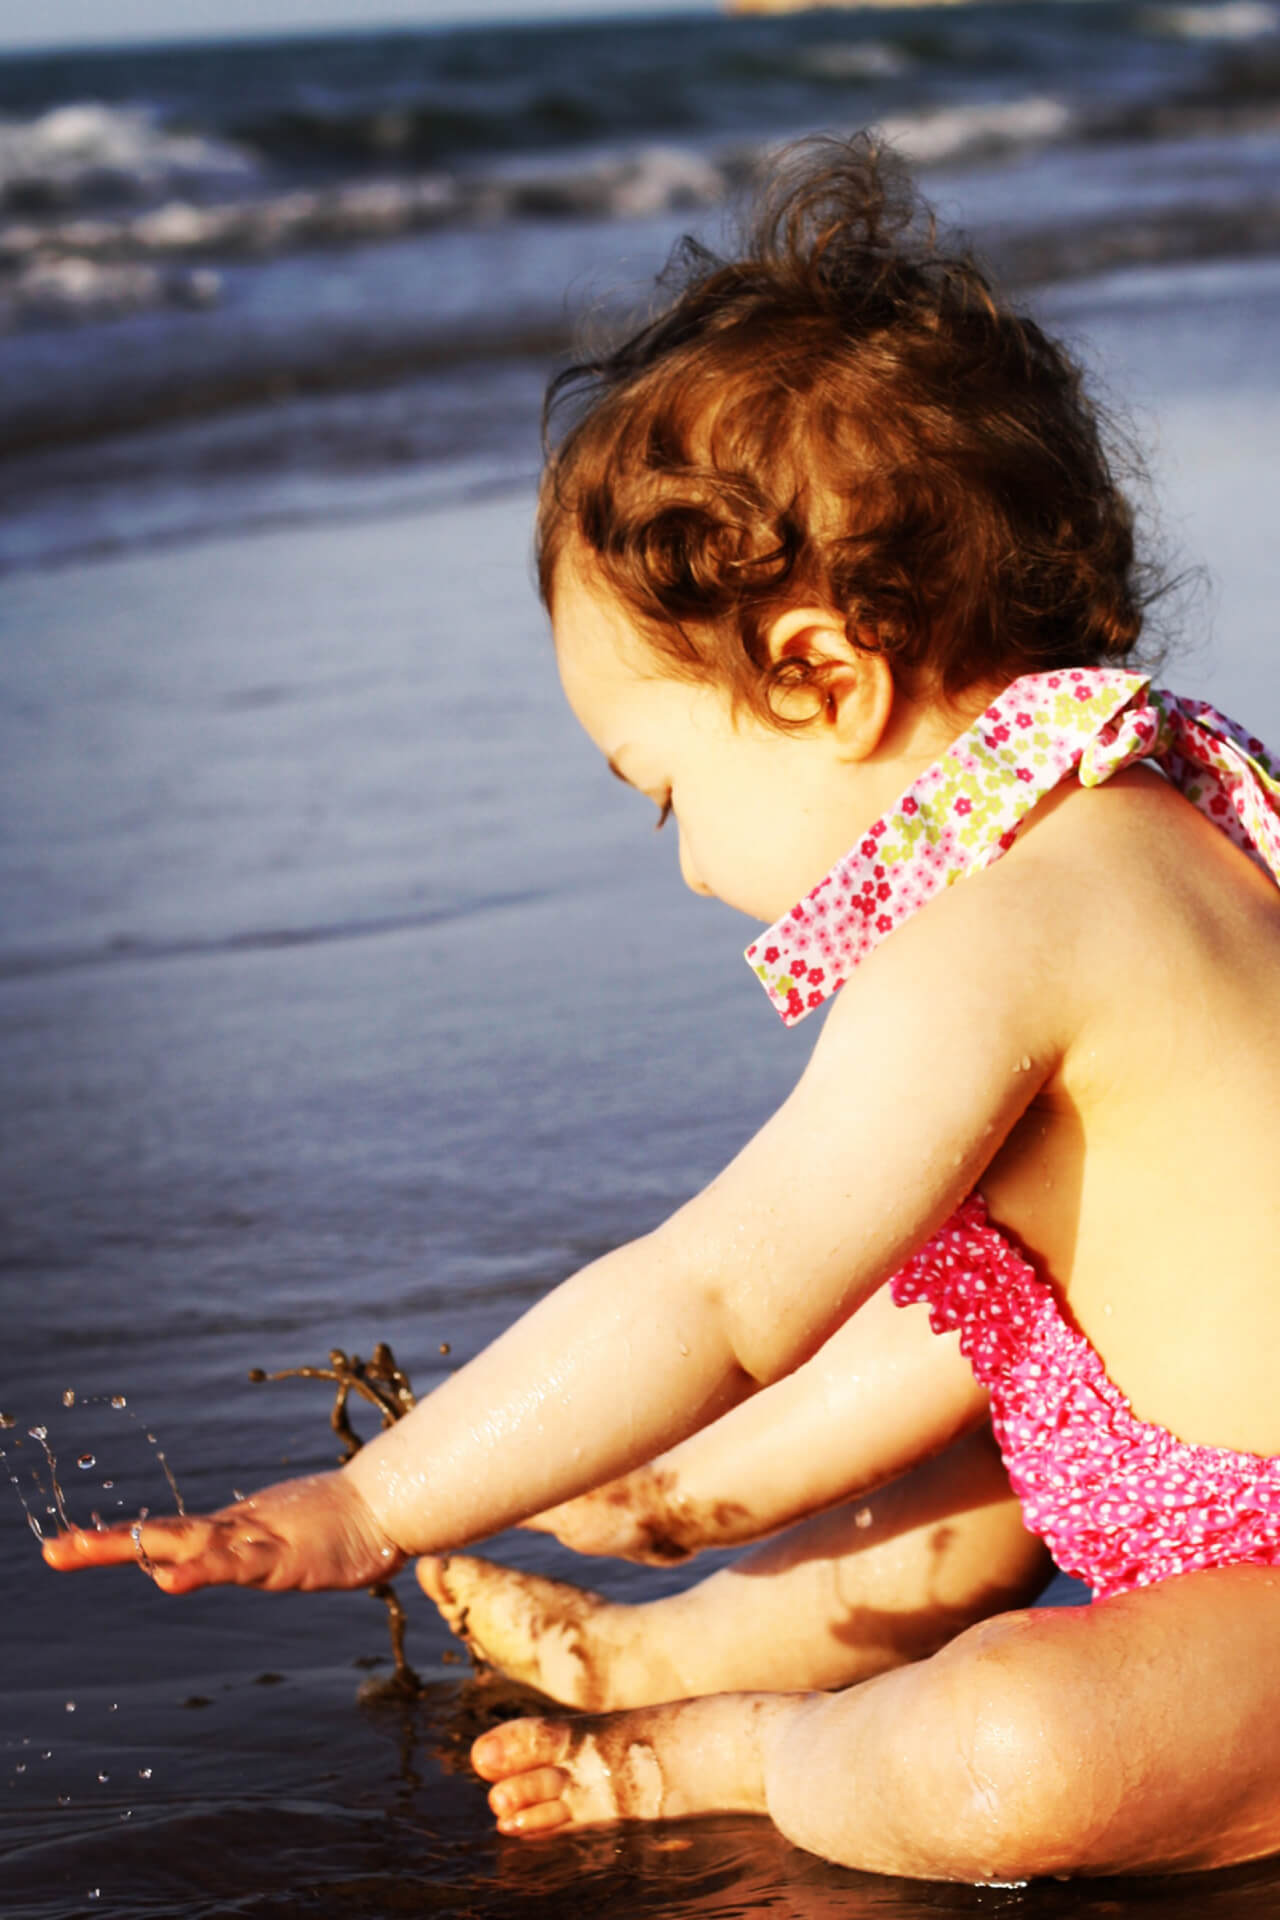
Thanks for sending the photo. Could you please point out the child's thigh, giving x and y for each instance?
(1140, 1734)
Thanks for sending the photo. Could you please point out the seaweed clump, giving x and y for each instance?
(386, 1386)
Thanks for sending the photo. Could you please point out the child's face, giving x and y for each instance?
(762, 815)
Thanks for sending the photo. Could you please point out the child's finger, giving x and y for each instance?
(69, 1552)
(184, 1552)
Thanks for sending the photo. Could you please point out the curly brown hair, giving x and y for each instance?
(844, 414)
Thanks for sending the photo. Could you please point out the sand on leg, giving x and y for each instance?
(1140, 1734)
(845, 1595)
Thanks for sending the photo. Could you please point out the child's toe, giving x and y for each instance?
(545, 1817)
(541, 1786)
(519, 1747)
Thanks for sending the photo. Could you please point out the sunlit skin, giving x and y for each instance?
(1127, 952)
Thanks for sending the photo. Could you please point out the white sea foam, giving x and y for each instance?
(88, 151)
(91, 267)
(945, 133)
(1235, 20)
(71, 290)
(853, 60)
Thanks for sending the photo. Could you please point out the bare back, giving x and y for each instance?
(1143, 1176)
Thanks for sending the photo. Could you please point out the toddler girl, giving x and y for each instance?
(840, 578)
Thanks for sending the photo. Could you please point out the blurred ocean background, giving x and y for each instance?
(343, 997)
(267, 279)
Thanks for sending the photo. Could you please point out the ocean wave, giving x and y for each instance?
(86, 268)
(939, 134)
(90, 154)
(110, 260)
(74, 291)
(844, 60)
(1233, 20)
(438, 125)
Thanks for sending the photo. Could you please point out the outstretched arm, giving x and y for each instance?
(924, 1065)
(883, 1394)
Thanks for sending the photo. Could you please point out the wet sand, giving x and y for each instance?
(343, 996)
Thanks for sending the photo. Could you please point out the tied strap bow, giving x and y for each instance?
(1225, 771)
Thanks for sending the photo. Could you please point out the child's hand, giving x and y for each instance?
(631, 1518)
(300, 1534)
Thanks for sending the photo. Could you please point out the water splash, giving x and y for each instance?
(120, 1403)
(8, 1421)
(144, 1559)
(59, 1504)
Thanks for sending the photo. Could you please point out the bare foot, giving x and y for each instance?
(571, 1644)
(660, 1763)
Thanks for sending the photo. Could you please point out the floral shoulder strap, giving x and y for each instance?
(965, 810)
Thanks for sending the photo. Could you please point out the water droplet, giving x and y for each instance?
(237, 1495)
(445, 1347)
(52, 1512)
(71, 1706)
(151, 1437)
(47, 1756)
(862, 1518)
(21, 1767)
(69, 1398)
(127, 1814)
(684, 1351)
(95, 1893)
(8, 1420)
(38, 1433)
(64, 1799)
(118, 1400)
(114, 1707)
(103, 1779)
(86, 1460)
(96, 1518)
(1024, 1064)
(107, 1485)
(387, 1553)
(144, 1773)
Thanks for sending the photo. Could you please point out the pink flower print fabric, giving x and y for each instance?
(965, 810)
(1119, 1503)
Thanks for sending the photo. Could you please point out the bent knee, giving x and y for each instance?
(972, 1766)
(1037, 1783)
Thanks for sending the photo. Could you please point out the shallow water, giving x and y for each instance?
(342, 997)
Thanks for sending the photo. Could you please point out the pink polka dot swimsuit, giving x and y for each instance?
(1119, 1502)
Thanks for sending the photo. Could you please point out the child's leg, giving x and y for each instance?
(1139, 1734)
(847, 1594)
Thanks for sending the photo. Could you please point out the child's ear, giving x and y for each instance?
(854, 684)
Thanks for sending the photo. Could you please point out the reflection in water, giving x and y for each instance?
(380, 1818)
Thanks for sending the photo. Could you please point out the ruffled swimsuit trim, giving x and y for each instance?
(1119, 1502)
